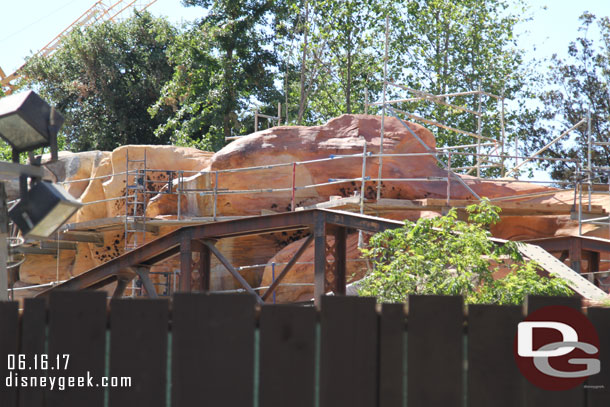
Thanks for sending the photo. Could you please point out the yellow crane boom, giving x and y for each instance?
(102, 10)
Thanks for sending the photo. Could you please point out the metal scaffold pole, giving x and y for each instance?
(479, 134)
(589, 155)
(3, 245)
(383, 106)
(503, 170)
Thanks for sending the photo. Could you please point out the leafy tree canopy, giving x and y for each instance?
(104, 78)
(224, 63)
(573, 87)
(447, 256)
(333, 51)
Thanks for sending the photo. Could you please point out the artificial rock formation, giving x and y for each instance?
(312, 147)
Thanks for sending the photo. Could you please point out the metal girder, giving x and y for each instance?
(81, 237)
(575, 254)
(186, 258)
(225, 262)
(340, 256)
(144, 275)
(204, 265)
(319, 244)
(288, 266)
(551, 264)
(34, 250)
(556, 244)
(255, 225)
(322, 221)
(121, 284)
(119, 264)
(161, 256)
(552, 244)
(172, 243)
(11, 171)
(372, 224)
(55, 245)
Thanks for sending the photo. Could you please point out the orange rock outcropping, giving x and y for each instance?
(320, 153)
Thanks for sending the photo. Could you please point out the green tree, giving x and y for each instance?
(573, 87)
(333, 51)
(443, 46)
(330, 55)
(223, 66)
(446, 256)
(104, 78)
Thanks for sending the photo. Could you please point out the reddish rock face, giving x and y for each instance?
(313, 147)
(344, 135)
(39, 269)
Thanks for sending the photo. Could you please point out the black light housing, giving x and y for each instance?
(27, 122)
(45, 208)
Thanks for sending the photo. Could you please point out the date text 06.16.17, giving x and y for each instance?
(42, 361)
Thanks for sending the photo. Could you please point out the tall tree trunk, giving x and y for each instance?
(230, 93)
(303, 96)
(348, 85)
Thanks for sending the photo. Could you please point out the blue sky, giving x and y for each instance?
(27, 25)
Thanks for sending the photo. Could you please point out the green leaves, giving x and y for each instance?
(447, 256)
(572, 87)
(223, 64)
(104, 78)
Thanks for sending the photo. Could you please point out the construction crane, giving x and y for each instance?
(102, 10)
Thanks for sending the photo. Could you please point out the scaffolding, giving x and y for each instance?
(271, 120)
(139, 181)
(135, 201)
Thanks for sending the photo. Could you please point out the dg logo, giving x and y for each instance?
(557, 348)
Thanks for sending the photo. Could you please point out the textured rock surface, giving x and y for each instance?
(341, 136)
(302, 272)
(72, 167)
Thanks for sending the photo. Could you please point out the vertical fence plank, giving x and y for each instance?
(537, 397)
(213, 350)
(348, 352)
(434, 351)
(493, 376)
(391, 352)
(599, 393)
(9, 323)
(33, 337)
(77, 327)
(287, 356)
(138, 350)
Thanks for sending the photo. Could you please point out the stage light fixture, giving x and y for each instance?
(27, 122)
(45, 208)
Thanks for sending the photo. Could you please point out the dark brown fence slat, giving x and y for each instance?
(77, 327)
(9, 325)
(434, 351)
(537, 397)
(493, 376)
(391, 352)
(212, 350)
(33, 336)
(287, 356)
(348, 352)
(599, 393)
(138, 349)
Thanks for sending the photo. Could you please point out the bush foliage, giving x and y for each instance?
(447, 256)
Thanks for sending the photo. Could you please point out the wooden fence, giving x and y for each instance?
(221, 350)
